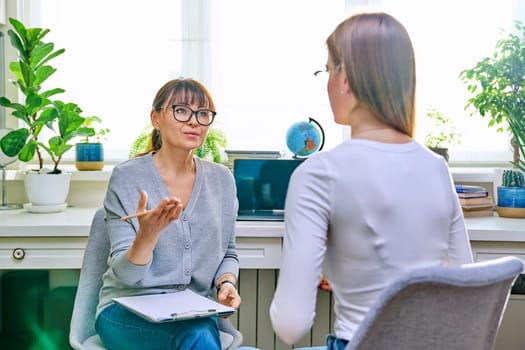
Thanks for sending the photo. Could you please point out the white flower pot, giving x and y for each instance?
(47, 189)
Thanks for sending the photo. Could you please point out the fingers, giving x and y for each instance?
(143, 200)
(228, 296)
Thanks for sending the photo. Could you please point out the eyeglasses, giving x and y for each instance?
(322, 77)
(183, 113)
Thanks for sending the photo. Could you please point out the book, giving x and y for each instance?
(472, 201)
(478, 213)
(477, 207)
(180, 305)
(469, 188)
(472, 194)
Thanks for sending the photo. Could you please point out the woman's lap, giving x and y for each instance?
(121, 329)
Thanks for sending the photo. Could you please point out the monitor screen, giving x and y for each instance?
(262, 185)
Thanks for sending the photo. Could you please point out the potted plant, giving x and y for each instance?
(212, 148)
(497, 84)
(89, 151)
(38, 112)
(511, 194)
(442, 133)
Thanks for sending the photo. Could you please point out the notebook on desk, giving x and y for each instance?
(261, 187)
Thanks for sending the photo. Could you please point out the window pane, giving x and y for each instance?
(118, 53)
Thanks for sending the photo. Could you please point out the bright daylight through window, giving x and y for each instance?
(258, 59)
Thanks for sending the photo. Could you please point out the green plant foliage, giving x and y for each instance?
(497, 85)
(100, 134)
(512, 178)
(140, 144)
(211, 149)
(39, 110)
(443, 132)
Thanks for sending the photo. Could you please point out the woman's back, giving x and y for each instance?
(371, 210)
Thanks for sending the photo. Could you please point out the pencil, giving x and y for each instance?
(134, 215)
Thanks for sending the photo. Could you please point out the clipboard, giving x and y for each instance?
(176, 306)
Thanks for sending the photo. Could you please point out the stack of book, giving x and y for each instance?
(475, 201)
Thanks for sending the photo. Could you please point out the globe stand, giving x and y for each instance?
(5, 161)
(4, 205)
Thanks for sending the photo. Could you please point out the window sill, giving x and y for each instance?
(459, 174)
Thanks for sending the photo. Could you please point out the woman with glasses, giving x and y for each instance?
(183, 235)
(374, 206)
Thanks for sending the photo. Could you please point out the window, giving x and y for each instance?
(258, 58)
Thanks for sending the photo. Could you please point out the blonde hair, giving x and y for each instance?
(379, 63)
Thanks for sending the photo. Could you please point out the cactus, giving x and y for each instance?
(512, 178)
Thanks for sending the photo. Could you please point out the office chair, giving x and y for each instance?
(82, 335)
(453, 308)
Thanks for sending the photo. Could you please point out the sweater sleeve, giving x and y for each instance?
(292, 310)
(121, 199)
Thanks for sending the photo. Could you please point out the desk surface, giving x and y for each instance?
(76, 221)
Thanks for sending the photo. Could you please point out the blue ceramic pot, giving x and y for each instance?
(511, 197)
(89, 156)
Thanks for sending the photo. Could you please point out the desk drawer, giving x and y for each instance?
(483, 251)
(259, 252)
(42, 252)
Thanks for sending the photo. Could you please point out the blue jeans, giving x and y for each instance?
(121, 329)
(332, 343)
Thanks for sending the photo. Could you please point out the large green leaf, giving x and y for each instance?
(14, 141)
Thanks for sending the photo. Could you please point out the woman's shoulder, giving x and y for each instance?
(133, 167)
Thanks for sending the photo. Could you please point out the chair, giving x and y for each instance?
(82, 335)
(453, 308)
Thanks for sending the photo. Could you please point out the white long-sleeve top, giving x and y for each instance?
(363, 213)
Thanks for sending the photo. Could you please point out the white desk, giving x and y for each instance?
(57, 240)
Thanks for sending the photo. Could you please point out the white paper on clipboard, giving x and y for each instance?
(180, 305)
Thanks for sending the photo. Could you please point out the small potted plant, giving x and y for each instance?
(511, 194)
(46, 188)
(442, 133)
(89, 151)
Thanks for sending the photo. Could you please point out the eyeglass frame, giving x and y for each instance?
(174, 106)
(326, 70)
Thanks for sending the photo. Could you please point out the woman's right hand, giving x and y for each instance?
(151, 225)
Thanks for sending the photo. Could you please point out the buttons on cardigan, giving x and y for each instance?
(181, 287)
(187, 272)
(184, 217)
(187, 245)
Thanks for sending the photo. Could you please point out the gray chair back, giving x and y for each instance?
(436, 308)
(82, 335)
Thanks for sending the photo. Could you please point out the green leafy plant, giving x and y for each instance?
(442, 133)
(39, 110)
(497, 84)
(99, 133)
(212, 148)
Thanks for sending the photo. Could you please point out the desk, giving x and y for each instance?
(57, 240)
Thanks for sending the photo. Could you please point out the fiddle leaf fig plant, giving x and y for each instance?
(497, 85)
(39, 111)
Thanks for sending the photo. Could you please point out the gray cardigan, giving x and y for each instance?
(191, 252)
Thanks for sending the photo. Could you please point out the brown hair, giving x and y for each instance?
(379, 62)
(182, 90)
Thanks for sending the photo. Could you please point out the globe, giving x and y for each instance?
(305, 138)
